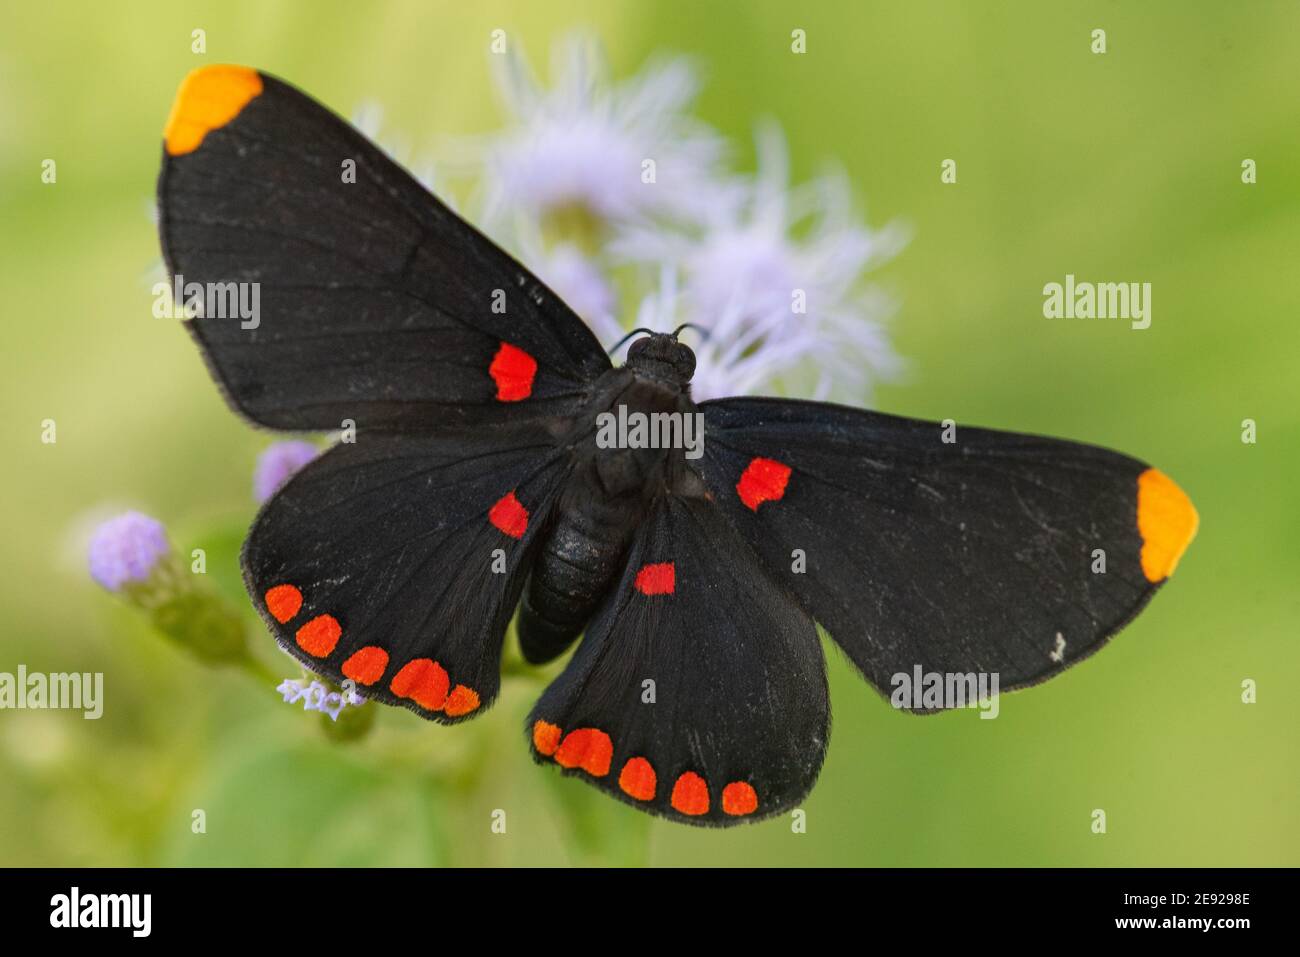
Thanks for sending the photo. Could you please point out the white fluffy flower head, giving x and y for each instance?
(584, 144)
(775, 276)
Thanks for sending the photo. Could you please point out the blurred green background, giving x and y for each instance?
(1123, 166)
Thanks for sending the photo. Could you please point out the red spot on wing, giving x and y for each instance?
(691, 795)
(366, 666)
(462, 700)
(319, 636)
(588, 748)
(739, 798)
(657, 579)
(513, 370)
(422, 680)
(283, 602)
(638, 779)
(509, 515)
(546, 737)
(763, 480)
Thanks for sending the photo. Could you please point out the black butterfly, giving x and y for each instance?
(476, 485)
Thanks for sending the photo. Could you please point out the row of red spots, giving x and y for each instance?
(283, 602)
(366, 665)
(691, 796)
(513, 371)
(461, 700)
(592, 750)
(739, 798)
(546, 737)
(657, 579)
(509, 515)
(423, 680)
(763, 480)
(317, 637)
(690, 791)
(588, 748)
(638, 779)
(426, 682)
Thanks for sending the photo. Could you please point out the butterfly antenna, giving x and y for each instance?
(704, 333)
(620, 342)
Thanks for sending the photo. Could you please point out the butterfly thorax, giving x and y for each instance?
(614, 480)
(660, 357)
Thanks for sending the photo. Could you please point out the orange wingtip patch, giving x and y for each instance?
(462, 700)
(208, 99)
(513, 371)
(739, 798)
(546, 737)
(283, 602)
(1167, 523)
(588, 748)
(422, 680)
(366, 666)
(691, 795)
(319, 636)
(638, 780)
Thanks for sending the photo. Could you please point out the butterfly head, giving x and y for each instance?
(660, 356)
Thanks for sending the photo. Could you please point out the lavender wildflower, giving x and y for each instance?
(127, 549)
(316, 695)
(579, 280)
(131, 556)
(594, 152)
(774, 276)
(277, 464)
(348, 720)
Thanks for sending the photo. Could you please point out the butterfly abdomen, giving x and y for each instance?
(607, 498)
(579, 559)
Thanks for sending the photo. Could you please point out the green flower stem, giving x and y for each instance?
(353, 724)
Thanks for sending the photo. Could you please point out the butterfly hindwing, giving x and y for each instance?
(374, 302)
(991, 552)
(699, 689)
(397, 561)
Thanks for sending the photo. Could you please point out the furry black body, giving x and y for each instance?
(608, 495)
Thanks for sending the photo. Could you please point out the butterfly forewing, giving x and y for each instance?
(953, 549)
(374, 302)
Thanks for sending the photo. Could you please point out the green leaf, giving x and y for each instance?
(308, 806)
